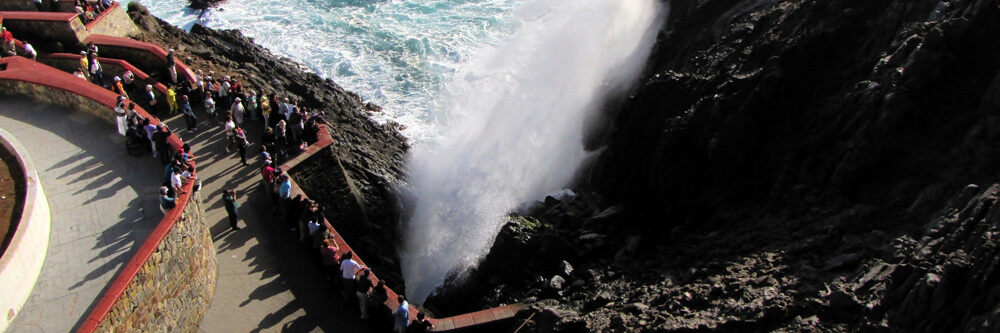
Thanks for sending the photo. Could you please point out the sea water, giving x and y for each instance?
(494, 94)
(397, 54)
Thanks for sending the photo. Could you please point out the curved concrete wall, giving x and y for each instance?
(21, 264)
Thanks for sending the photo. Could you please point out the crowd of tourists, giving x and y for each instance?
(289, 129)
(230, 105)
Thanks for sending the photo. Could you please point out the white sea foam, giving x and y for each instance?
(394, 53)
(493, 92)
(519, 110)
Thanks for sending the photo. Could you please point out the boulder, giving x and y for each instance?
(555, 283)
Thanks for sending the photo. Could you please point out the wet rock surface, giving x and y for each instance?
(794, 166)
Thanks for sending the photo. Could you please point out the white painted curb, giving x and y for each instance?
(21, 264)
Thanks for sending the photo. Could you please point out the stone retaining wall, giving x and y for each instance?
(174, 287)
(59, 97)
(21, 263)
(36, 26)
(169, 282)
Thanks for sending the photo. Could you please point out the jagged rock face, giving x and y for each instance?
(948, 280)
(778, 165)
(770, 101)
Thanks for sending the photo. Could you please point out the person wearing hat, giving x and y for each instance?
(85, 64)
(118, 88)
(171, 66)
(237, 110)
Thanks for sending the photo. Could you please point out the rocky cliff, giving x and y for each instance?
(797, 165)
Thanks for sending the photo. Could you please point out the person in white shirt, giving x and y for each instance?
(29, 51)
(348, 269)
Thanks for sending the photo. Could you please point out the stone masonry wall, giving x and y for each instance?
(59, 97)
(114, 22)
(68, 32)
(174, 288)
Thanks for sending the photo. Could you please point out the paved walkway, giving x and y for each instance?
(103, 203)
(267, 281)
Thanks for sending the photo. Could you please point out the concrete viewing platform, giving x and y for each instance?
(103, 203)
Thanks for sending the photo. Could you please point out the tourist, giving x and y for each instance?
(237, 110)
(298, 213)
(118, 88)
(230, 128)
(96, 71)
(150, 130)
(241, 144)
(171, 66)
(267, 140)
(176, 180)
(29, 51)
(283, 108)
(348, 269)
(363, 288)
(190, 174)
(168, 174)
(314, 233)
(199, 81)
(210, 109)
(8, 42)
(267, 177)
(284, 193)
(134, 119)
(322, 231)
(171, 100)
(305, 209)
(380, 315)
(160, 139)
(150, 99)
(92, 48)
(330, 256)
(265, 157)
(229, 196)
(84, 64)
(421, 325)
(128, 78)
(281, 139)
(189, 117)
(167, 202)
(224, 89)
(38, 4)
(275, 189)
(265, 109)
(295, 124)
(402, 314)
(252, 105)
(235, 88)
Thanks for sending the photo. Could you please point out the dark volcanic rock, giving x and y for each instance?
(776, 169)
